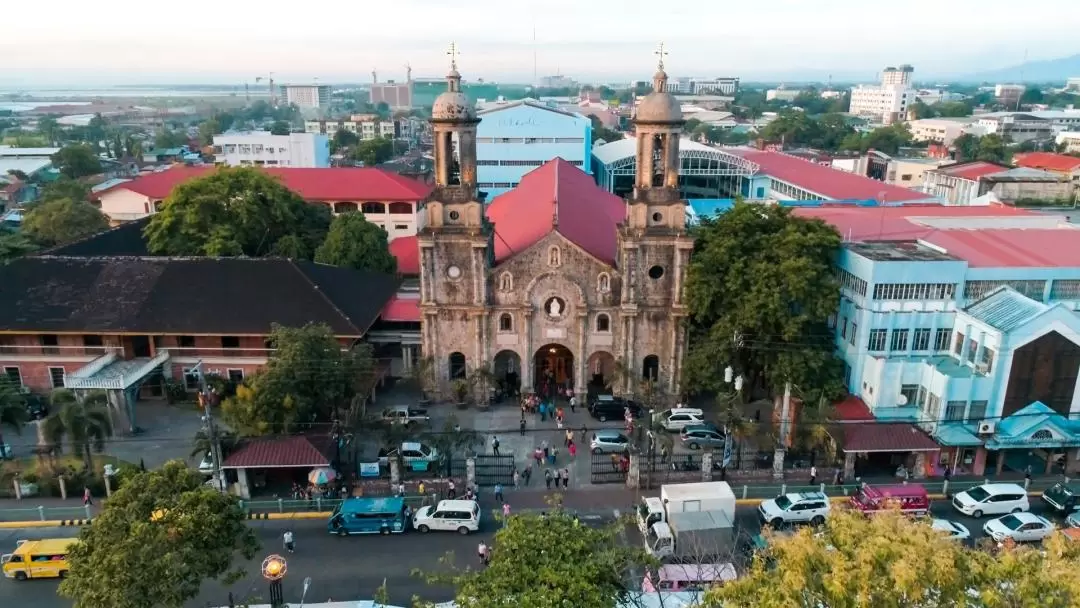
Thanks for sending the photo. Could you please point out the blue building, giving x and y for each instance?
(959, 324)
(514, 139)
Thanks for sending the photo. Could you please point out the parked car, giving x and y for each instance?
(610, 407)
(1019, 527)
(206, 466)
(806, 507)
(676, 419)
(37, 408)
(416, 456)
(697, 437)
(405, 415)
(461, 516)
(992, 499)
(950, 529)
(1073, 520)
(608, 441)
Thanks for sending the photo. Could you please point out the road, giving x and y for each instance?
(352, 568)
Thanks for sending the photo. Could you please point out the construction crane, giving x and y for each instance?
(270, 80)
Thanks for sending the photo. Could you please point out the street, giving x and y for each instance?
(352, 568)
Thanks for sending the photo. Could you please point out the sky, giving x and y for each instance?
(104, 42)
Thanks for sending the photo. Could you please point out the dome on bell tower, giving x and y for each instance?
(660, 106)
(453, 105)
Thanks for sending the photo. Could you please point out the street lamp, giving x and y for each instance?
(273, 569)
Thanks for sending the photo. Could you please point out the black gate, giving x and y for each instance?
(491, 470)
(609, 468)
(657, 469)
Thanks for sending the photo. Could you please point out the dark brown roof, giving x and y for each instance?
(887, 437)
(126, 239)
(285, 452)
(225, 296)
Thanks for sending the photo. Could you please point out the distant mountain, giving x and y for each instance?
(1048, 70)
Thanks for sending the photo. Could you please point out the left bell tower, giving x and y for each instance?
(455, 240)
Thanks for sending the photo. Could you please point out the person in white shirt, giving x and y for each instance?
(287, 538)
(482, 552)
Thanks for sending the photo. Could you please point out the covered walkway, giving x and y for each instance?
(121, 379)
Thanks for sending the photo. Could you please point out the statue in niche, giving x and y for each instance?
(555, 308)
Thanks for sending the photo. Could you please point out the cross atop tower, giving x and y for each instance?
(453, 53)
(661, 53)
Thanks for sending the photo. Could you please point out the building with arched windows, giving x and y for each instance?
(556, 283)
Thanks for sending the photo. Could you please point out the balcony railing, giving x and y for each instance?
(58, 351)
(179, 352)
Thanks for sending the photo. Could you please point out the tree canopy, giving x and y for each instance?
(308, 378)
(892, 561)
(235, 211)
(991, 148)
(374, 151)
(280, 127)
(760, 289)
(77, 160)
(14, 244)
(62, 220)
(354, 242)
(883, 139)
(155, 541)
(795, 127)
(550, 562)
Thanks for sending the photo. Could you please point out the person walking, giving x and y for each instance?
(287, 540)
(572, 449)
(565, 478)
(420, 488)
(482, 553)
(813, 475)
(401, 490)
(451, 490)
(87, 499)
(838, 480)
(527, 474)
(584, 431)
(506, 513)
(547, 478)
(498, 492)
(517, 479)
(495, 445)
(521, 425)
(547, 449)
(573, 403)
(569, 438)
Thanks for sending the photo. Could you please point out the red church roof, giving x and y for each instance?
(1048, 161)
(557, 196)
(402, 310)
(312, 184)
(407, 251)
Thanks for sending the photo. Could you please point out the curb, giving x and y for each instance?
(50, 523)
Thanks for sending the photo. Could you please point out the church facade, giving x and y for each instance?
(555, 283)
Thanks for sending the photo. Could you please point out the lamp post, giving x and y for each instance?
(273, 569)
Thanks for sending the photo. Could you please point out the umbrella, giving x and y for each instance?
(322, 476)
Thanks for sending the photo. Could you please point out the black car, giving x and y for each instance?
(36, 407)
(609, 407)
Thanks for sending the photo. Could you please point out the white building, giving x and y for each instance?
(1071, 140)
(887, 102)
(941, 130)
(698, 86)
(365, 126)
(260, 148)
(782, 94)
(1009, 94)
(307, 95)
(1017, 126)
(932, 96)
(1073, 84)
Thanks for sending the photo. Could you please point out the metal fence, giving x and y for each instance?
(658, 469)
(608, 468)
(491, 469)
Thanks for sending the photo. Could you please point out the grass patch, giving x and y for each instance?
(44, 473)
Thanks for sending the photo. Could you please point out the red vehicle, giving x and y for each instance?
(911, 499)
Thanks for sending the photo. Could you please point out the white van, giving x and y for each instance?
(461, 516)
(992, 499)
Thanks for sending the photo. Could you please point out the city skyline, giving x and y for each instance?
(125, 45)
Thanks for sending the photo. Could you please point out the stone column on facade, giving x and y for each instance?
(849, 465)
(1000, 461)
(527, 363)
(678, 279)
(673, 344)
(631, 365)
(680, 351)
(580, 361)
(671, 160)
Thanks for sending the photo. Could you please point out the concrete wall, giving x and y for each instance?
(123, 205)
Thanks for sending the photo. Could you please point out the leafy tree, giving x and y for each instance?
(77, 160)
(549, 562)
(921, 110)
(343, 138)
(65, 188)
(599, 131)
(207, 131)
(14, 244)
(96, 128)
(234, 211)
(883, 139)
(307, 379)
(178, 531)
(354, 242)
(280, 127)
(12, 410)
(169, 139)
(892, 561)
(19, 175)
(992, 148)
(84, 422)
(953, 109)
(1032, 95)
(795, 127)
(760, 290)
(62, 220)
(49, 128)
(966, 147)
(374, 151)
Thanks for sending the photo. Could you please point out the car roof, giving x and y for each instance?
(1027, 516)
(412, 445)
(700, 427)
(1002, 488)
(604, 434)
(456, 505)
(807, 496)
(685, 410)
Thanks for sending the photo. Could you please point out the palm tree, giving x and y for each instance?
(12, 412)
(84, 422)
(201, 444)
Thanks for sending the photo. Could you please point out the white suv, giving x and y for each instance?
(992, 499)
(676, 419)
(806, 507)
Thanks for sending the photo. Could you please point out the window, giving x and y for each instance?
(603, 323)
(921, 339)
(913, 291)
(401, 226)
(843, 328)
(92, 345)
(185, 341)
(191, 379)
(506, 282)
(650, 368)
(457, 366)
(854, 332)
(554, 257)
(506, 322)
(933, 404)
(920, 398)
(987, 359)
(973, 348)
(236, 376)
(401, 208)
(230, 342)
(847, 280)
(941, 339)
(975, 290)
(899, 339)
(954, 411)
(13, 376)
(977, 411)
(656, 272)
(877, 340)
(909, 392)
(373, 208)
(49, 344)
(958, 346)
(7, 345)
(603, 282)
(56, 376)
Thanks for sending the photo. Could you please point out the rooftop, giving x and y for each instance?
(1012, 248)
(1005, 309)
(1047, 161)
(407, 251)
(1024, 174)
(28, 165)
(625, 148)
(972, 170)
(898, 251)
(907, 222)
(285, 452)
(12, 151)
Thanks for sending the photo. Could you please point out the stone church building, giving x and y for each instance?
(556, 283)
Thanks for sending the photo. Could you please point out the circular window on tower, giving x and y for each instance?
(453, 272)
(658, 217)
(454, 215)
(656, 272)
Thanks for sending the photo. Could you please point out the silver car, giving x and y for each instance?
(608, 441)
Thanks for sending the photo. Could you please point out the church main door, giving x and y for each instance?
(554, 369)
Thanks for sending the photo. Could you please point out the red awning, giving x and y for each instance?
(887, 437)
(401, 310)
(852, 409)
(286, 452)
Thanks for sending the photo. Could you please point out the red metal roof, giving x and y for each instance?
(887, 437)
(407, 251)
(1011, 248)
(826, 181)
(285, 452)
(852, 409)
(1047, 161)
(898, 223)
(557, 196)
(401, 310)
(312, 184)
(971, 170)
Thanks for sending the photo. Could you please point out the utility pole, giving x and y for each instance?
(785, 426)
(206, 400)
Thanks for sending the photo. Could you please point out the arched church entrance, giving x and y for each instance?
(600, 373)
(507, 371)
(554, 369)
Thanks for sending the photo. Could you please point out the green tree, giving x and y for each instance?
(179, 532)
(374, 151)
(96, 129)
(84, 421)
(62, 220)
(760, 290)
(921, 110)
(170, 139)
(953, 109)
(280, 127)
(234, 211)
(14, 244)
(354, 242)
(309, 378)
(49, 128)
(343, 138)
(207, 131)
(65, 188)
(966, 147)
(992, 148)
(883, 139)
(77, 160)
(548, 562)
(12, 410)
(1032, 95)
